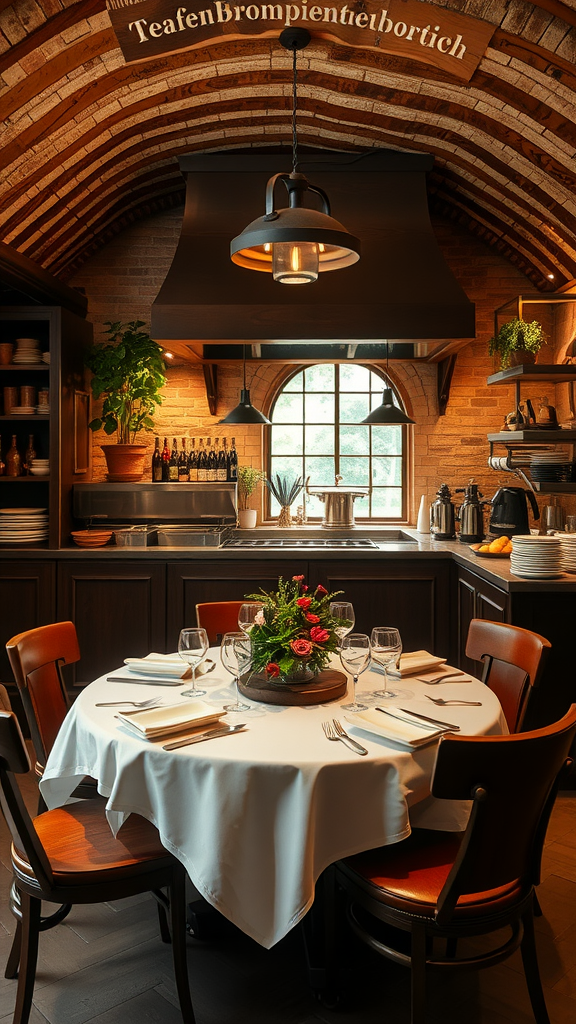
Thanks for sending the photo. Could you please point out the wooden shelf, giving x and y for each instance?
(25, 419)
(513, 437)
(553, 373)
(11, 367)
(24, 479)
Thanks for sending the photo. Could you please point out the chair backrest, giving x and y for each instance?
(36, 658)
(513, 662)
(512, 781)
(14, 759)
(218, 617)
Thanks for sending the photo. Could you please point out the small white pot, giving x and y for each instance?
(247, 518)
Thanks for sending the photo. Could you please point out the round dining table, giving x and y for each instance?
(257, 816)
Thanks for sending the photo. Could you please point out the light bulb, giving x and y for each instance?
(295, 262)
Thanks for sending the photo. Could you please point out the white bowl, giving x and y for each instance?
(39, 472)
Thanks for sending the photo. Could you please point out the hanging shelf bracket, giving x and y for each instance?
(211, 383)
(445, 371)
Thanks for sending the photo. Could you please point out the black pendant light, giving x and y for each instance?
(245, 412)
(295, 243)
(387, 412)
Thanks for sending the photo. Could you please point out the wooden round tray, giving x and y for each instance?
(326, 686)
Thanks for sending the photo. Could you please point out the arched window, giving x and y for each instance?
(317, 432)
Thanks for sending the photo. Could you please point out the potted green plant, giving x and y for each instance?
(128, 372)
(285, 489)
(248, 480)
(517, 342)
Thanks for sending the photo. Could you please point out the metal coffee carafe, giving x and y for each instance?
(509, 515)
(442, 515)
(471, 514)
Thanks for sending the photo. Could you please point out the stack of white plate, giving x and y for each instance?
(568, 548)
(27, 351)
(40, 467)
(536, 558)
(552, 466)
(23, 410)
(23, 525)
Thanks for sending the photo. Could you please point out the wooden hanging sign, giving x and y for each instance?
(421, 32)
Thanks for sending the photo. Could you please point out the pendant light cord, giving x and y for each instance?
(294, 108)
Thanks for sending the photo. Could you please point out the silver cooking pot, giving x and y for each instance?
(338, 503)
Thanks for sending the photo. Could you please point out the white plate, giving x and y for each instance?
(21, 511)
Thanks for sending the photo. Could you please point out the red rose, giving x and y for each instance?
(302, 648)
(297, 579)
(319, 635)
(304, 587)
(320, 589)
(304, 602)
(311, 617)
(272, 669)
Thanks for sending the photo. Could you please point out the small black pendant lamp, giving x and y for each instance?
(295, 243)
(245, 412)
(387, 412)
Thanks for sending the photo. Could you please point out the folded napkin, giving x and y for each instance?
(154, 723)
(408, 732)
(413, 663)
(160, 665)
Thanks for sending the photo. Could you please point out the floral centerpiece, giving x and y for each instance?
(294, 632)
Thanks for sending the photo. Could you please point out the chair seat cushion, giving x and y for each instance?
(81, 848)
(409, 876)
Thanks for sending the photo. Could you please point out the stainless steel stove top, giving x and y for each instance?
(307, 542)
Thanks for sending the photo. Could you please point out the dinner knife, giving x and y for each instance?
(205, 736)
(426, 723)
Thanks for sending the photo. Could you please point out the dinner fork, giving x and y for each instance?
(132, 703)
(334, 731)
(443, 703)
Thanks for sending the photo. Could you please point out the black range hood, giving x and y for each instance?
(400, 289)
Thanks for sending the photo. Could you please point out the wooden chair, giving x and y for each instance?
(217, 618)
(513, 662)
(37, 657)
(70, 856)
(447, 886)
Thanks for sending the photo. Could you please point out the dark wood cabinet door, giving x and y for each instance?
(413, 596)
(477, 599)
(119, 610)
(27, 600)
(190, 583)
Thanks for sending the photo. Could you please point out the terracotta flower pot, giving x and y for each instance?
(125, 462)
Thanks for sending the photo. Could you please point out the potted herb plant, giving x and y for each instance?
(285, 490)
(248, 480)
(128, 372)
(517, 342)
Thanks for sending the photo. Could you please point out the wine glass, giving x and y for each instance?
(192, 648)
(386, 645)
(235, 655)
(355, 655)
(247, 615)
(343, 614)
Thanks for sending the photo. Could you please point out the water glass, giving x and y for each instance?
(192, 648)
(355, 656)
(386, 645)
(236, 655)
(343, 614)
(247, 615)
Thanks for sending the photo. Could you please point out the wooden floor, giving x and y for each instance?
(107, 965)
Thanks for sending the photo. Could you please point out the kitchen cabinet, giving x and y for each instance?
(412, 595)
(61, 435)
(119, 610)
(476, 598)
(27, 600)
(191, 583)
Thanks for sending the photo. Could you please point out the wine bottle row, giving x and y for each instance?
(210, 463)
(17, 464)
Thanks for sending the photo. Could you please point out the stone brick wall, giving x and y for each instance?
(123, 278)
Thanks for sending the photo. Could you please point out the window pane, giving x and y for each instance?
(354, 408)
(296, 384)
(362, 507)
(320, 378)
(386, 501)
(319, 408)
(287, 440)
(387, 440)
(320, 471)
(354, 440)
(314, 507)
(377, 383)
(354, 378)
(286, 464)
(320, 440)
(355, 471)
(288, 409)
(387, 471)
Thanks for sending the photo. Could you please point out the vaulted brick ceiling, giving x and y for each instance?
(89, 142)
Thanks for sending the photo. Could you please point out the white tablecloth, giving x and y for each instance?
(256, 817)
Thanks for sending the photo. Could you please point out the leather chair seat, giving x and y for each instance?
(82, 850)
(409, 876)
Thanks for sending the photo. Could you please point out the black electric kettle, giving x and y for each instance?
(509, 513)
